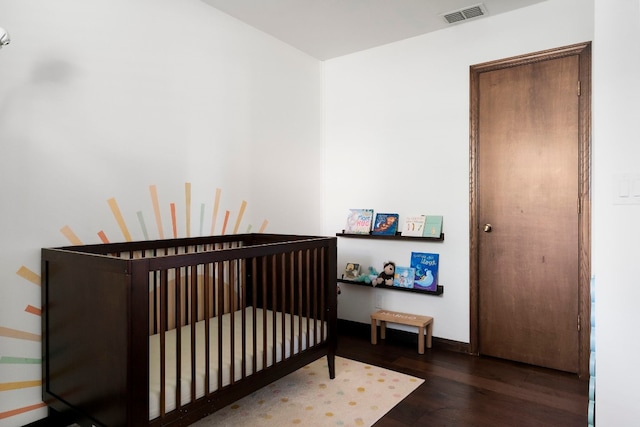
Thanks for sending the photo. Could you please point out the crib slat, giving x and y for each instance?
(292, 292)
(278, 289)
(286, 305)
(254, 326)
(243, 325)
(207, 328)
(163, 352)
(232, 328)
(265, 278)
(315, 296)
(177, 313)
(307, 314)
(299, 287)
(220, 285)
(322, 294)
(193, 320)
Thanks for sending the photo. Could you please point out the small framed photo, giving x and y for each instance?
(351, 271)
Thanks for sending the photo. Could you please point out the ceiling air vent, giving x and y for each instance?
(465, 14)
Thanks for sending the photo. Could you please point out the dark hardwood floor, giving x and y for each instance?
(462, 390)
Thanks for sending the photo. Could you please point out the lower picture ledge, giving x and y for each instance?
(439, 291)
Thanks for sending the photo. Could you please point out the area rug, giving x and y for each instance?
(359, 396)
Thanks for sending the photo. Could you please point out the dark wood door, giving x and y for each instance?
(528, 212)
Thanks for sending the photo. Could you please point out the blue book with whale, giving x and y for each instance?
(426, 270)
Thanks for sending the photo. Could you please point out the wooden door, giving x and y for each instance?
(527, 209)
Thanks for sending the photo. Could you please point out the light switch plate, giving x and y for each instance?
(626, 189)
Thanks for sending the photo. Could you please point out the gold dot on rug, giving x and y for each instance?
(329, 414)
(297, 421)
(380, 380)
(235, 406)
(284, 400)
(308, 408)
(361, 389)
(352, 403)
(359, 421)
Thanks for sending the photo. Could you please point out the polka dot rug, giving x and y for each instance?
(359, 395)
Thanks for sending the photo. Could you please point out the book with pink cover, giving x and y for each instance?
(359, 221)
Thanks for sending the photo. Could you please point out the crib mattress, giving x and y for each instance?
(299, 335)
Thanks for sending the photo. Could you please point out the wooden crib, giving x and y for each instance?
(166, 332)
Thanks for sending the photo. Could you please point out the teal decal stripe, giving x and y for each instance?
(20, 360)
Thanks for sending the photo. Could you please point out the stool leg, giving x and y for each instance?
(429, 333)
(421, 340)
(383, 329)
(374, 331)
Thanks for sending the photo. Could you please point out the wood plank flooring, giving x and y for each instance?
(461, 390)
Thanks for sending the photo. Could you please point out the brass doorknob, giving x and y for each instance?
(487, 228)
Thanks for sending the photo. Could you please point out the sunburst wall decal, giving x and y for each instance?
(32, 278)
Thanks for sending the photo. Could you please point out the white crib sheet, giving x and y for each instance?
(185, 380)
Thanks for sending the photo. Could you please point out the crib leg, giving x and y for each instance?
(331, 361)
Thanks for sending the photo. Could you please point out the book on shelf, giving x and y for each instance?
(351, 271)
(404, 277)
(413, 225)
(433, 226)
(426, 270)
(359, 221)
(386, 224)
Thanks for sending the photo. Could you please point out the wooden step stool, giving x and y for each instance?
(384, 316)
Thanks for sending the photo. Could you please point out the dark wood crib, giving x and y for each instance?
(166, 332)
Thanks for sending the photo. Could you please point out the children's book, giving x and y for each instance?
(351, 271)
(433, 226)
(426, 270)
(413, 225)
(359, 221)
(386, 224)
(404, 277)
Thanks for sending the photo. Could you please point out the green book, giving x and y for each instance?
(433, 226)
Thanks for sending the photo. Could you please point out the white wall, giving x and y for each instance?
(103, 99)
(616, 228)
(397, 139)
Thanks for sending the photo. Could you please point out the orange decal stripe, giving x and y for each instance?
(22, 410)
(239, 218)
(174, 224)
(29, 275)
(14, 333)
(118, 215)
(70, 235)
(187, 201)
(156, 209)
(33, 310)
(216, 206)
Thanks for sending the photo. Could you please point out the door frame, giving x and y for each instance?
(583, 202)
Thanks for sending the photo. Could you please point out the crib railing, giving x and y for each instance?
(291, 282)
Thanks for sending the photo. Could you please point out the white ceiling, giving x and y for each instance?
(327, 29)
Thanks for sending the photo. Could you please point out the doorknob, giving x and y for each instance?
(487, 228)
